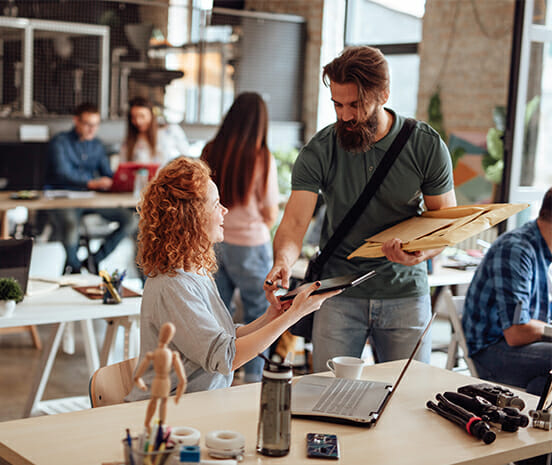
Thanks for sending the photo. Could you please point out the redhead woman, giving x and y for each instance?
(181, 219)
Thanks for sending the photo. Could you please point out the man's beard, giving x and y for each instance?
(358, 137)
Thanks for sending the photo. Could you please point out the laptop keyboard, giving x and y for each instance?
(342, 396)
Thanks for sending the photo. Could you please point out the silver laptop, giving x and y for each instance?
(341, 400)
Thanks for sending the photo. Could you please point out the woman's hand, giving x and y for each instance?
(276, 278)
(305, 302)
(274, 311)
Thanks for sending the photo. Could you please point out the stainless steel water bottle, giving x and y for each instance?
(274, 428)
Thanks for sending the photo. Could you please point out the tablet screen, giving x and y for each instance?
(332, 284)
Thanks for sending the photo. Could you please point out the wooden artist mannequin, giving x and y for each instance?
(163, 360)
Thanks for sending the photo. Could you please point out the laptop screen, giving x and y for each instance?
(123, 179)
(407, 364)
(15, 260)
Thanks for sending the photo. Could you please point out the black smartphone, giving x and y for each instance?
(331, 284)
(322, 446)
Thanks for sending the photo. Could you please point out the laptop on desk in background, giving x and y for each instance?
(340, 400)
(15, 260)
(123, 179)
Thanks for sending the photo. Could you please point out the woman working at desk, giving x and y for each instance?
(145, 141)
(180, 221)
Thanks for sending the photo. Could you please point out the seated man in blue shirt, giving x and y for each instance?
(507, 313)
(78, 161)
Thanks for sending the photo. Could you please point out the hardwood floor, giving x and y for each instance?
(19, 359)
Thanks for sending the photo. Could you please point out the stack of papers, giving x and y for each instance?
(40, 287)
(439, 228)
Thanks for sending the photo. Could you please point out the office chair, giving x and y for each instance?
(454, 306)
(93, 227)
(110, 384)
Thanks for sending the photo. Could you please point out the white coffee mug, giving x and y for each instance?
(346, 367)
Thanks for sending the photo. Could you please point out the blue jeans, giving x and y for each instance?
(67, 222)
(524, 366)
(245, 268)
(344, 324)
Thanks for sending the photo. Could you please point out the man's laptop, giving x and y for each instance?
(341, 400)
(123, 179)
(15, 260)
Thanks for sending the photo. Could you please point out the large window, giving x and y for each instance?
(395, 27)
(531, 170)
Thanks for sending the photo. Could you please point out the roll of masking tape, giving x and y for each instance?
(225, 444)
(185, 436)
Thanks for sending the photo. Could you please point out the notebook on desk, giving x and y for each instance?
(15, 260)
(342, 400)
(123, 179)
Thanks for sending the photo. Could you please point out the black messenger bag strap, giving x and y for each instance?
(375, 181)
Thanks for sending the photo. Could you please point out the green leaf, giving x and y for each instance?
(495, 145)
(494, 172)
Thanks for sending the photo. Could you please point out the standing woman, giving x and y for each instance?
(145, 141)
(245, 174)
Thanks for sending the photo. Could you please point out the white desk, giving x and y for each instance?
(449, 277)
(60, 307)
(407, 433)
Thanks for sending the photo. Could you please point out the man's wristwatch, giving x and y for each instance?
(547, 333)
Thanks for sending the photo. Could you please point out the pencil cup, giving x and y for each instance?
(135, 456)
(108, 297)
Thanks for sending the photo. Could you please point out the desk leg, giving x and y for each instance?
(4, 231)
(35, 336)
(44, 369)
(90, 346)
(109, 340)
(131, 341)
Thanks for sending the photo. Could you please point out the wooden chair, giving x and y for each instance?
(110, 384)
(454, 306)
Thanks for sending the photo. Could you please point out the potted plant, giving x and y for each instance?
(10, 293)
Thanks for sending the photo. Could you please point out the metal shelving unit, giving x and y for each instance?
(29, 30)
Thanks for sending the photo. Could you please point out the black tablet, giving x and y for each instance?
(332, 284)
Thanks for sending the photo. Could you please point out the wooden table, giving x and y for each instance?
(59, 307)
(407, 433)
(98, 200)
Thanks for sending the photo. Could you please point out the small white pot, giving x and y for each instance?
(7, 307)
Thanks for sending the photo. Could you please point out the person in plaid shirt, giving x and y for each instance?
(508, 310)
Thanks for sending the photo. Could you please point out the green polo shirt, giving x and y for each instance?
(422, 168)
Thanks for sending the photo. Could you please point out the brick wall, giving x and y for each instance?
(474, 79)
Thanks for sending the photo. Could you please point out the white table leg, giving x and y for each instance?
(44, 369)
(90, 346)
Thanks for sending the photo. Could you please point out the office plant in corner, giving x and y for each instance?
(10, 293)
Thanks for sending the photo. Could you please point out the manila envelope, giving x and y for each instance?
(439, 228)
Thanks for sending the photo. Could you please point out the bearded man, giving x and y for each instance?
(393, 308)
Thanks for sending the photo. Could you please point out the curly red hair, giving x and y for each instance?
(171, 233)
